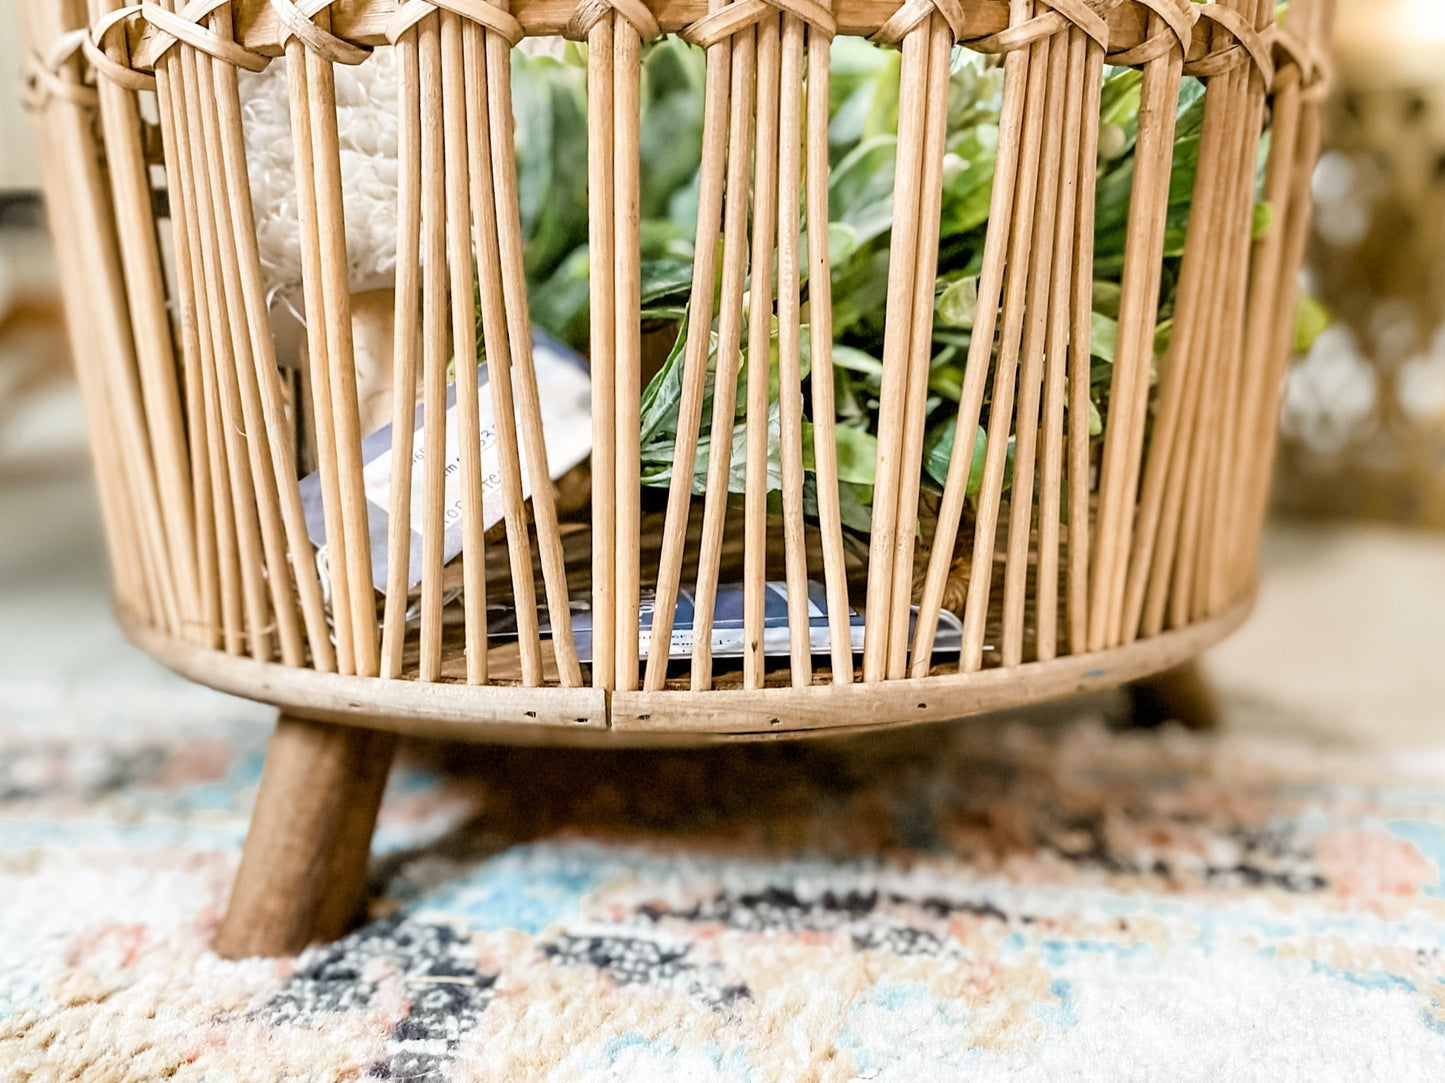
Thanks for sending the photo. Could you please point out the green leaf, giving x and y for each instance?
(860, 190)
(658, 410)
(1311, 320)
(856, 360)
(857, 454)
(664, 279)
(1263, 219)
(1107, 296)
(550, 104)
(938, 451)
(670, 133)
(561, 302)
(1163, 336)
(957, 305)
(1104, 337)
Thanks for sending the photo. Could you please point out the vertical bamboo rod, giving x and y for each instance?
(326, 159)
(1138, 314)
(898, 312)
(514, 277)
(1213, 591)
(55, 120)
(729, 353)
(602, 350)
(128, 576)
(206, 631)
(407, 330)
(1190, 582)
(122, 544)
(1199, 460)
(502, 348)
(73, 161)
(980, 352)
(1192, 454)
(1191, 572)
(1266, 289)
(457, 75)
(790, 378)
(1268, 284)
(262, 398)
(938, 47)
(1162, 493)
(217, 447)
(759, 349)
(262, 498)
(318, 355)
(712, 178)
(1081, 360)
(626, 78)
(1032, 362)
(145, 288)
(1075, 187)
(200, 109)
(1318, 18)
(171, 82)
(434, 344)
(259, 511)
(820, 326)
(1150, 576)
(1202, 456)
(975, 613)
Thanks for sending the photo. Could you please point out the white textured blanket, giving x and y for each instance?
(366, 116)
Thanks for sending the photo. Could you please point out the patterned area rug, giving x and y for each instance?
(983, 901)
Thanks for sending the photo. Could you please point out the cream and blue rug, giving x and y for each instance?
(986, 901)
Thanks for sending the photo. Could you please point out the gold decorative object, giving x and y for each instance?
(1364, 417)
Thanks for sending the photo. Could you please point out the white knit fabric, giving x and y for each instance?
(366, 118)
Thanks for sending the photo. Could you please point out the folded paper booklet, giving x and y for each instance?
(565, 386)
(727, 625)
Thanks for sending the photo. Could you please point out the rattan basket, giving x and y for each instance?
(196, 433)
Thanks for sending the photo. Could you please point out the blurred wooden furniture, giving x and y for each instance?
(1364, 420)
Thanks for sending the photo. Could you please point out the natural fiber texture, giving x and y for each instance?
(379, 149)
(997, 902)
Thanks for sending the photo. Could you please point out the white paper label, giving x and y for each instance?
(565, 395)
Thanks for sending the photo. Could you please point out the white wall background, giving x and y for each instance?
(18, 170)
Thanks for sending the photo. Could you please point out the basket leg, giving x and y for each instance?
(303, 869)
(1182, 694)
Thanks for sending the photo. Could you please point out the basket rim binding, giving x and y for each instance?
(262, 28)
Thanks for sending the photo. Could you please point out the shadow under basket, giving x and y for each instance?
(203, 420)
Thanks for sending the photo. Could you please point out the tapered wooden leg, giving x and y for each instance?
(1181, 694)
(303, 869)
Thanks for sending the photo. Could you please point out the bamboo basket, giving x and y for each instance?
(199, 439)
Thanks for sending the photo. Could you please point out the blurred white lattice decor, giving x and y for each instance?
(1364, 415)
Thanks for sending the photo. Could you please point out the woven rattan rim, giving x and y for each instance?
(1272, 51)
(46, 76)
